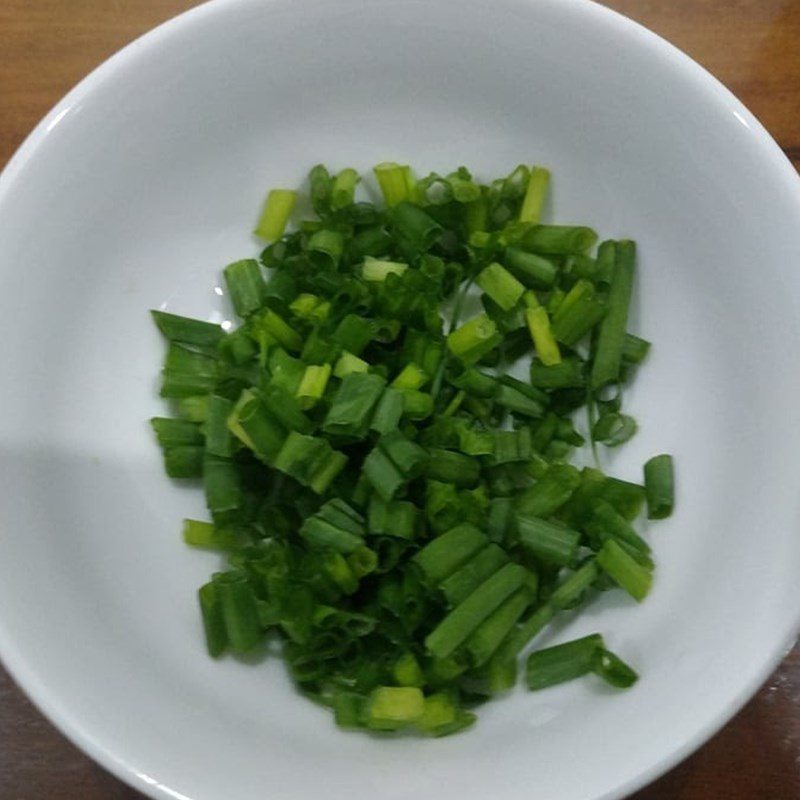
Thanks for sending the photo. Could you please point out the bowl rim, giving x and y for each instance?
(24, 674)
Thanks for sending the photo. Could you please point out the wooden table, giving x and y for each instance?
(46, 46)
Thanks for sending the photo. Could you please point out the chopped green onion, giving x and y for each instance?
(535, 195)
(624, 570)
(312, 385)
(659, 486)
(547, 541)
(612, 669)
(611, 339)
(392, 707)
(532, 270)
(559, 239)
(411, 377)
(461, 583)
(456, 627)
(348, 363)
(500, 285)
(395, 181)
(246, 286)
(353, 404)
(545, 344)
(579, 311)
(188, 331)
(277, 210)
(375, 269)
(563, 662)
(446, 553)
(213, 619)
(489, 635)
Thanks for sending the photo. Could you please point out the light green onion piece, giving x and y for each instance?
(277, 210)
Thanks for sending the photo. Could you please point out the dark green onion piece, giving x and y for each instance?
(351, 410)
(336, 526)
(488, 636)
(573, 588)
(550, 492)
(559, 239)
(353, 334)
(659, 486)
(607, 519)
(456, 627)
(563, 662)
(309, 460)
(612, 669)
(532, 270)
(222, 484)
(416, 227)
(547, 541)
(213, 619)
(396, 518)
(188, 331)
(388, 412)
(239, 611)
(219, 440)
(614, 429)
(458, 586)
(634, 349)
(184, 461)
(446, 553)
(567, 374)
(174, 432)
(246, 286)
(611, 339)
(579, 311)
(448, 466)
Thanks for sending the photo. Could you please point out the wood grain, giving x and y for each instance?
(46, 46)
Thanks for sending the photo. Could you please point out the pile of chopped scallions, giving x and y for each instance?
(394, 506)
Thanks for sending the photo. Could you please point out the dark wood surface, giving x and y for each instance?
(753, 46)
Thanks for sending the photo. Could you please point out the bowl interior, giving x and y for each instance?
(145, 182)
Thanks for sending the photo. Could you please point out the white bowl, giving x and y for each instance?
(145, 180)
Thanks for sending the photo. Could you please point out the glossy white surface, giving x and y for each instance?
(144, 182)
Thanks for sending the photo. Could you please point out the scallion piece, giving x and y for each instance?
(312, 385)
(446, 553)
(456, 627)
(535, 195)
(559, 239)
(277, 209)
(611, 339)
(659, 486)
(612, 669)
(624, 570)
(376, 269)
(353, 404)
(395, 181)
(188, 331)
(500, 285)
(563, 662)
(246, 286)
(543, 340)
(458, 586)
(547, 541)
